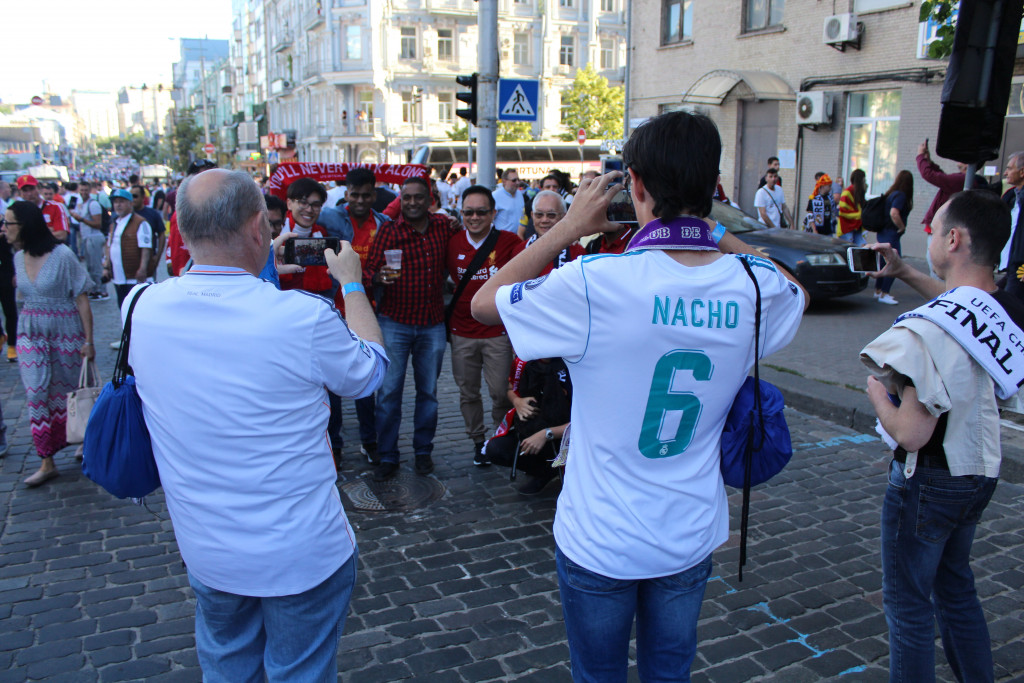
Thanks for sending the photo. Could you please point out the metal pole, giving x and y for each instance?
(487, 93)
(469, 150)
(972, 169)
(629, 42)
(202, 76)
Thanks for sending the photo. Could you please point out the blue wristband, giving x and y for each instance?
(352, 287)
(718, 232)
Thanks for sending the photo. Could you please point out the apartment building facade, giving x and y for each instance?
(824, 86)
(356, 80)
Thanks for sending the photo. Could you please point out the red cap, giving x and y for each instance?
(26, 180)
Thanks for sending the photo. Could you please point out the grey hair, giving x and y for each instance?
(549, 193)
(1017, 158)
(219, 218)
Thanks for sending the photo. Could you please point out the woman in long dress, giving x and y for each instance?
(54, 328)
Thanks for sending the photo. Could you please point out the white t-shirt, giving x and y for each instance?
(656, 351)
(69, 199)
(90, 208)
(336, 194)
(764, 198)
(144, 238)
(238, 422)
(510, 209)
(460, 186)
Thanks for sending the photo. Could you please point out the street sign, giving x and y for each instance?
(37, 100)
(209, 148)
(581, 136)
(518, 100)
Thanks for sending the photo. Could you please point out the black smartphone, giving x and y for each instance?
(309, 251)
(861, 260)
(621, 209)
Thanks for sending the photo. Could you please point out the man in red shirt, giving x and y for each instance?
(53, 213)
(477, 347)
(411, 316)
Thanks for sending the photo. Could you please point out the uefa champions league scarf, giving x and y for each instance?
(682, 232)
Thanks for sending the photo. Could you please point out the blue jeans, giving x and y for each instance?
(426, 343)
(365, 414)
(928, 524)
(241, 639)
(599, 614)
(856, 238)
(884, 284)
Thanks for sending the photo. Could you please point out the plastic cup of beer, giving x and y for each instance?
(393, 258)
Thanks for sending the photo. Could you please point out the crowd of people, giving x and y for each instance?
(556, 310)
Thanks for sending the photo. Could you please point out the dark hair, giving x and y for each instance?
(507, 172)
(275, 203)
(479, 189)
(904, 182)
(859, 183)
(462, 171)
(200, 165)
(72, 187)
(551, 176)
(771, 171)
(303, 187)
(34, 236)
(817, 176)
(418, 179)
(676, 155)
(358, 177)
(985, 217)
(771, 159)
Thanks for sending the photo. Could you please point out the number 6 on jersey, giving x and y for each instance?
(668, 408)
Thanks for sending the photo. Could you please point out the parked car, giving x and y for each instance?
(817, 261)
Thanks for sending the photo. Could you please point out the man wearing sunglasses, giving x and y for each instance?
(478, 348)
(548, 209)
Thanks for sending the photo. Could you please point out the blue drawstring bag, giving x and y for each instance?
(117, 452)
(755, 441)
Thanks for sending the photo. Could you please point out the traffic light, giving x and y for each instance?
(469, 113)
(417, 95)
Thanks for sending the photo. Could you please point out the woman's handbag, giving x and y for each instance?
(118, 453)
(81, 400)
(756, 444)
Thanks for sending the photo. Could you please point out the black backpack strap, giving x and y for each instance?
(757, 426)
(478, 260)
(121, 367)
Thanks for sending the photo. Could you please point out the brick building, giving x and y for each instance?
(852, 71)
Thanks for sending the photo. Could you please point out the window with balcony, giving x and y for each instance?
(677, 21)
(407, 44)
(567, 51)
(353, 43)
(365, 112)
(563, 108)
(409, 108)
(607, 5)
(565, 3)
(521, 49)
(446, 107)
(607, 53)
(761, 14)
(445, 44)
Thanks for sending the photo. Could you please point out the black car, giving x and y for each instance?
(817, 261)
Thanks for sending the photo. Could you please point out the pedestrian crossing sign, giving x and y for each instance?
(518, 100)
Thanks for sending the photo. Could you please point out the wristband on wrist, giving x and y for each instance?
(352, 287)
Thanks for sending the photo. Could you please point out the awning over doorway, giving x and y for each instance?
(714, 86)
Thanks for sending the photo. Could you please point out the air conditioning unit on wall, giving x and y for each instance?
(813, 108)
(839, 28)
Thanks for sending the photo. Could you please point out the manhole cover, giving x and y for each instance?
(406, 491)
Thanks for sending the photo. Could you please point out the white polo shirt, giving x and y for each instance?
(510, 209)
(656, 351)
(233, 376)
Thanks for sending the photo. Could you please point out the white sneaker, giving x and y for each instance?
(877, 294)
(116, 346)
(887, 299)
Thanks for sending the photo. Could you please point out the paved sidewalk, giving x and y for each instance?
(464, 589)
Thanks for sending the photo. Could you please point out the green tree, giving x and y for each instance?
(593, 105)
(9, 165)
(136, 146)
(187, 138)
(942, 12)
(508, 131)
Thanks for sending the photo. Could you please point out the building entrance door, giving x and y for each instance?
(757, 139)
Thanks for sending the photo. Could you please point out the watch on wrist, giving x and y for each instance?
(549, 435)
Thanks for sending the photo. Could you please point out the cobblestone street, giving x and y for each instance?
(464, 588)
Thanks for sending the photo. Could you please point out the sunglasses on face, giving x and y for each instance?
(469, 213)
(550, 215)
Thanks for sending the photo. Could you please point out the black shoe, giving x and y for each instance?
(536, 485)
(385, 471)
(336, 452)
(424, 464)
(370, 451)
(479, 458)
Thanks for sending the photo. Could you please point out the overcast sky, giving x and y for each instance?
(98, 46)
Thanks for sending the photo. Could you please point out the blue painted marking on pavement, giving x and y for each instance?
(854, 670)
(802, 637)
(719, 578)
(835, 441)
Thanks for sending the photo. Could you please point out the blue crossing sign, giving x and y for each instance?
(518, 100)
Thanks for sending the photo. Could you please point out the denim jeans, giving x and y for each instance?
(241, 639)
(599, 615)
(856, 238)
(365, 414)
(426, 343)
(928, 524)
(884, 284)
